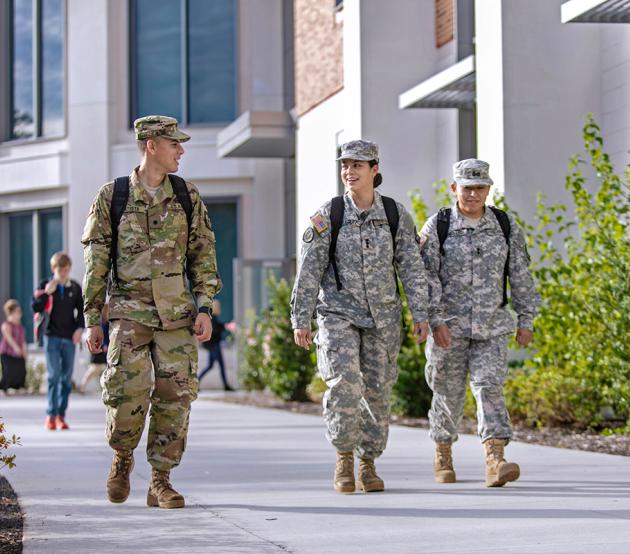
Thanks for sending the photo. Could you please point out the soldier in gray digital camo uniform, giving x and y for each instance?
(359, 326)
(470, 325)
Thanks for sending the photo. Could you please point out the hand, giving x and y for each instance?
(524, 336)
(442, 336)
(203, 327)
(303, 338)
(51, 286)
(76, 336)
(94, 339)
(421, 331)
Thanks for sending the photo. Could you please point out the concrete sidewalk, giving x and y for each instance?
(260, 481)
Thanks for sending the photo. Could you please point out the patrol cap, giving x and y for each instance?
(151, 126)
(471, 172)
(362, 150)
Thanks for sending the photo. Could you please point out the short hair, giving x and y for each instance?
(142, 144)
(10, 306)
(60, 259)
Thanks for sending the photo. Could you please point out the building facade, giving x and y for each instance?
(75, 75)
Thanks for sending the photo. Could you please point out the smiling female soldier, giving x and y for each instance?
(351, 253)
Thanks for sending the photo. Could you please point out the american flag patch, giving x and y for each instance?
(319, 223)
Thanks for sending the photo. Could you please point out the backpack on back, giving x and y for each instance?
(443, 224)
(119, 203)
(337, 209)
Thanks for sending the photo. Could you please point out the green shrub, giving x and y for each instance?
(411, 395)
(250, 372)
(6, 441)
(288, 368)
(35, 375)
(579, 369)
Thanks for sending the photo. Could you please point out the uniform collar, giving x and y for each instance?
(165, 191)
(459, 221)
(375, 211)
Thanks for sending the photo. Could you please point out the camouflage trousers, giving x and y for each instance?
(152, 369)
(447, 373)
(359, 368)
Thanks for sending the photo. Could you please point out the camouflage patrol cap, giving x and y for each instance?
(363, 150)
(151, 126)
(471, 172)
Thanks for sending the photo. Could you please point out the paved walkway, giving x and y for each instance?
(259, 481)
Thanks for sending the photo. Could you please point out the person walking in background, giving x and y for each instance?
(213, 346)
(351, 255)
(149, 234)
(98, 360)
(13, 351)
(61, 334)
(470, 252)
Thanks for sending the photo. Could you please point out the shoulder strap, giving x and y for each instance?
(117, 208)
(391, 211)
(336, 219)
(504, 223)
(183, 196)
(443, 223)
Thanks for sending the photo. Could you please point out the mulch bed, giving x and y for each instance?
(558, 437)
(11, 520)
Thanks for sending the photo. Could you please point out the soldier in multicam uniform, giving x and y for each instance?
(152, 356)
(359, 326)
(470, 325)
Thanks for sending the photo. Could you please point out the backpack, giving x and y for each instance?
(119, 203)
(444, 221)
(41, 320)
(336, 219)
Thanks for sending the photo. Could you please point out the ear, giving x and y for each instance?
(151, 146)
(453, 187)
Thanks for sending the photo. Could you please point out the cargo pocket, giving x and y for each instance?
(193, 380)
(112, 379)
(326, 359)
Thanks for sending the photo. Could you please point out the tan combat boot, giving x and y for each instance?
(161, 493)
(443, 463)
(368, 480)
(118, 478)
(498, 471)
(344, 472)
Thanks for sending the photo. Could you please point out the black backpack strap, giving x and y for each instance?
(443, 223)
(183, 196)
(391, 211)
(336, 219)
(120, 197)
(504, 223)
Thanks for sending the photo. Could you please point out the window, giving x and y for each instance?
(183, 59)
(36, 61)
(34, 237)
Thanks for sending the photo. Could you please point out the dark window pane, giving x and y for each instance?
(21, 264)
(22, 125)
(211, 61)
(158, 75)
(52, 67)
(50, 238)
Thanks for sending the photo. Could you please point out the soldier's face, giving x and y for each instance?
(357, 175)
(471, 200)
(166, 153)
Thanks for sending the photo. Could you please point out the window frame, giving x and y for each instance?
(6, 74)
(184, 104)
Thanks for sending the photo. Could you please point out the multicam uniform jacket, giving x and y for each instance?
(153, 246)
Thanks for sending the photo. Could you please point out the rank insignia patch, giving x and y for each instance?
(308, 235)
(319, 223)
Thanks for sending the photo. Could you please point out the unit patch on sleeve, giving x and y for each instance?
(308, 235)
(319, 223)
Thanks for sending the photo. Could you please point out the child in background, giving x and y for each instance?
(13, 348)
(98, 361)
(214, 344)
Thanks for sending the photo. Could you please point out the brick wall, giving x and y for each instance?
(443, 22)
(318, 53)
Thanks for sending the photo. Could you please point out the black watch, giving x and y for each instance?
(205, 310)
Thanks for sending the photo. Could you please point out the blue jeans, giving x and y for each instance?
(216, 355)
(60, 363)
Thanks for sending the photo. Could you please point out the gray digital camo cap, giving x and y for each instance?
(151, 126)
(362, 150)
(468, 173)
